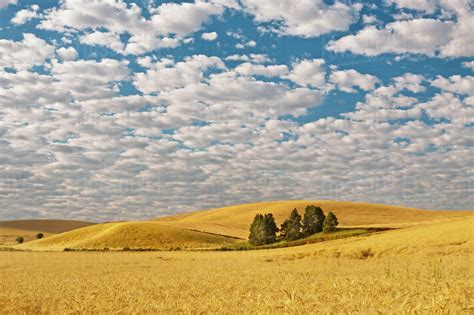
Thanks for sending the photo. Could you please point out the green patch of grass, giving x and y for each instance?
(315, 238)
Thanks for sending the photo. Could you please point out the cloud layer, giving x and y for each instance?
(111, 110)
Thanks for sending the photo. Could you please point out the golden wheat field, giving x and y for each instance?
(420, 269)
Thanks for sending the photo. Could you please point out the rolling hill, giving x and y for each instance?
(132, 235)
(235, 220)
(48, 226)
(10, 230)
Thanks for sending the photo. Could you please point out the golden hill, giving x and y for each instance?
(48, 226)
(235, 220)
(10, 230)
(437, 239)
(134, 235)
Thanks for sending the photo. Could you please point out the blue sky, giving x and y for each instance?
(128, 110)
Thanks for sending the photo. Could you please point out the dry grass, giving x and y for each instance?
(235, 220)
(132, 235)
(424, 269)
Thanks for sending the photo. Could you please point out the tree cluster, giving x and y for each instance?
(263, 229)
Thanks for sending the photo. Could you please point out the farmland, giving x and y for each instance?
(426, 268)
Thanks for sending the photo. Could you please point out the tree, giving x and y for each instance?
(263, 229)
(330, 223)
(270, 227)
(313, 220)
(291, 228)
(20, 239)
(39, 235)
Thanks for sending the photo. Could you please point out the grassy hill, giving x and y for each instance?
(10, 230)
(48, 226)
(235, 220)
(134, 235)
(437, 239)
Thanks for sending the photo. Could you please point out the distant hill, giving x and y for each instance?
(10, 230)
(134, 235)
(48, 226)
(235, 220)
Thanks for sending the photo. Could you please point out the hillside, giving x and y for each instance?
(134, 235)
(438, 239)
(235, 220)
(10, 230)
(48, 226)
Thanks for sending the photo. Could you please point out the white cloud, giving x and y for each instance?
(165, 74)
(309, 18)
(456, 84)
(346, 80)
(268, 71)
(209, 36)
(67, 54)
(428, 6)
(107, 39)
(29, 52)
(461, 43)
(90, 79)
(5, 3)
(468, 64)
(369, 19)
(25, 15)
(167, 26)
(254, 58)
(308, 73)
(419, 36)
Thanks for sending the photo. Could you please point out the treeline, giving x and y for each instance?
(263, 229)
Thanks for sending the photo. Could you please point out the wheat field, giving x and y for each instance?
(420, 269)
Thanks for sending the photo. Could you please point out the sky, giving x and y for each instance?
(114, 110)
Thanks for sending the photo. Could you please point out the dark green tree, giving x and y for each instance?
(263, 229)
(330, 223)
(270, 227)
(291, 228)
(39, 235)
(20, 239)
(313, 220)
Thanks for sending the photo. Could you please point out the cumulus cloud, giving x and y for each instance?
(107, 39)
(307, 19)
(428, 6)
(419, 36)
(442, 37)
(5, 3)
(24, 54)
(67, 54)
(346, 80)
(25, 15)
(165, 74)
(253, 58)
(268, 71)
(456, 84)
(209, 36)
(468, 64)
(167, 26)
(308, 73)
